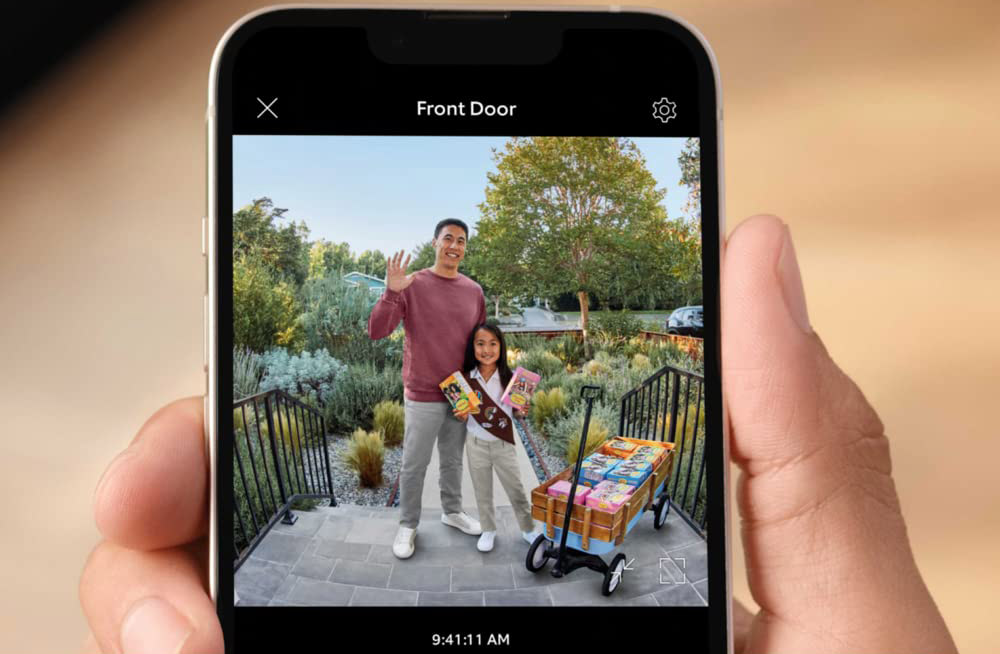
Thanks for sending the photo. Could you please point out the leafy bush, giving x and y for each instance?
(571, 386)
(595, 368)
(553, 381)
(541, 362)
(569, 349)
(597, 434)
(335, 317)
(564, 432)
(641, 362)
(358, 390)
(388, 420)
(247, 370)
(310, 377)
(619, 324)
(546, 405)
(518, 341)
(366, 454)
(264, 309)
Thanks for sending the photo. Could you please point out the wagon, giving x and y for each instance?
(580, 538)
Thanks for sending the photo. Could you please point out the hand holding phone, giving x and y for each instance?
(155, 542)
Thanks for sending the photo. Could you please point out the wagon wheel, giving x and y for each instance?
(613, 576)
(538, 554)
(661, 510)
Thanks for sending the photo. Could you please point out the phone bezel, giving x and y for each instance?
(719, 513)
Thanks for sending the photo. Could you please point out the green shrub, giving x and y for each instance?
(641, 362)
(571, 387)
(366, 454)
(310, 376)
(553, 381)
(358, 390)
(595, 368)
(247, 371)
(597, 434)
(518, 341)
(541, 362)
(619, 324)
(335, 317)
(564, 432)
(264, 308)
(546, 405)
(293, 431)
(569, 349)
(388, 420)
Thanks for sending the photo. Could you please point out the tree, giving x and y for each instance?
(264, 309)
(569, 214)
(477, 267)
(335, 317)
(284, 249)
(690, 163)
(372, 263)
(424, 256)
(326, 258)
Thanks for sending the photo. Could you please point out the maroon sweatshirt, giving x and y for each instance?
(438, 314)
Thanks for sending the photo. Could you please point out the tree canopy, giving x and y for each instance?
(581, 215)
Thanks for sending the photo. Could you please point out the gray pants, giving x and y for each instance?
(426, 422)
(484, 458)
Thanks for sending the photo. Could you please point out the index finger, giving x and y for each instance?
(155, 493)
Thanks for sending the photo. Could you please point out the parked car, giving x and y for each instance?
(687, 321)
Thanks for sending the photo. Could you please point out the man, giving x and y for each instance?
(439, 307)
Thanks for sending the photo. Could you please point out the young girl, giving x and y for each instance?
(490, 438)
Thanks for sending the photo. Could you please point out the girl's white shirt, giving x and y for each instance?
(495, 390)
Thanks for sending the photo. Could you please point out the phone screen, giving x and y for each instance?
(465, 266)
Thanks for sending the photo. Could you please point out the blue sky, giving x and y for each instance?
(388, 192)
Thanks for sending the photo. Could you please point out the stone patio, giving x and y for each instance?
(342, 556)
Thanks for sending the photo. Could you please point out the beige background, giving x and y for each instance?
(870, 127)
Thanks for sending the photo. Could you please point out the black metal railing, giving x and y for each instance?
(669, 406)
(280, 455)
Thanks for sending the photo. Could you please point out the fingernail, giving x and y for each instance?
(791, 284)
(152, 626)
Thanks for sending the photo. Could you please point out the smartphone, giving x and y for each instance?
(405, 208)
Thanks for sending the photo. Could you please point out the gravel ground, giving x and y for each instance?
(345, 480)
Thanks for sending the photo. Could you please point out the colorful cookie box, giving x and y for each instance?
(520, 389)
(635, 464)
(562, 487)
(628, 476)
(607, 501)
(594, 475)
(621, 446)
(613, 487)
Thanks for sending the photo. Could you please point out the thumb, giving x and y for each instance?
(827, 554)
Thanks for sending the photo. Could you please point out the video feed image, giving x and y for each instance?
(468, 371)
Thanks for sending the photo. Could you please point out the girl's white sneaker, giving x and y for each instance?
(485, 543)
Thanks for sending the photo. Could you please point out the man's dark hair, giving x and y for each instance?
(451, 221)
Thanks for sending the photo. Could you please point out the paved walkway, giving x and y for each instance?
(431, 497)
(541, 319)
(342, 556)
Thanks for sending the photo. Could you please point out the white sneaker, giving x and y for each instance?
(462, 522)
(485, 543)
(403, 547)
(530, 536)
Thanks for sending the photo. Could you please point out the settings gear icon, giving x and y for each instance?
(664, 110)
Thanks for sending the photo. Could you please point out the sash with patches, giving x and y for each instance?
(491, 417)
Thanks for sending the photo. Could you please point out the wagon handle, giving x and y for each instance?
(589, 394)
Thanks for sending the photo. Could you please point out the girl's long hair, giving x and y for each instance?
(470, 353)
